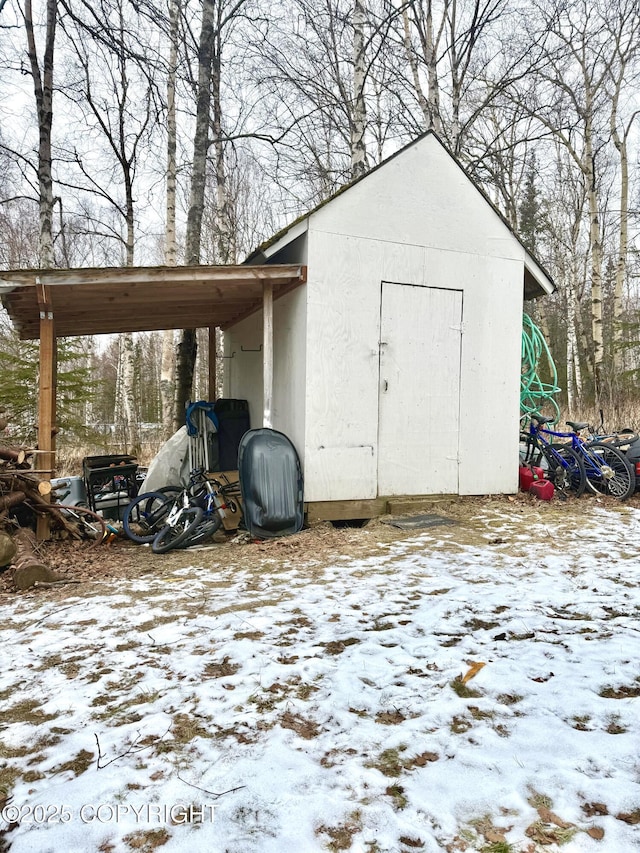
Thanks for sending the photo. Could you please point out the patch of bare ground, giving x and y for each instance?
(479, 521)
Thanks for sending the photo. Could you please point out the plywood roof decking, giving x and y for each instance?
(132, 299)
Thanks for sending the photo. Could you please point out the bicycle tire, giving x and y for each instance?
(205, 530)
(145, 515)
(173, 535)
(91, 526)
(567, 478)
(619, 481)
(596, 476)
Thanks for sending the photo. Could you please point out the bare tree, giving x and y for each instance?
(167, 371)
(623, 25)
(42, 75)
(117, 96)
(420, 14)
(359, 123)
(570, 97)
(217, 18)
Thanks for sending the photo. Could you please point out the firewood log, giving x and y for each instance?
(28, 568)
(7, 549)
(13, 454)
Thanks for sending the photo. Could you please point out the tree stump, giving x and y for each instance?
(28, 568)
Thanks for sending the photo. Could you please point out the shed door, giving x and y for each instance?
(419, 392)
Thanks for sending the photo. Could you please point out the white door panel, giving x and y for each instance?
(419, 394)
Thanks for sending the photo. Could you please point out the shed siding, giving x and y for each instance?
(343, 291)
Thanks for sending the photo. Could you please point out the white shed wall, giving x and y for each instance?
(243, 372)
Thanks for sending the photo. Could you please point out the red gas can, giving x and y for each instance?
(542, 489)
(529, 474)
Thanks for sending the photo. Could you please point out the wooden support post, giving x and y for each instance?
(267, 352)
(213, 354)
(46, 395)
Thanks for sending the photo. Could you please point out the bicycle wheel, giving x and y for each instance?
(566, 469)
(598, 472)
(173, 535)
(145, 515)
(204, 531)
(608, 472)
(530, 451)
(89, 525)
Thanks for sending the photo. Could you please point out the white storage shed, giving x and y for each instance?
(396, 367)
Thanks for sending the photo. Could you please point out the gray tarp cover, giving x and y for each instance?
(170, 467)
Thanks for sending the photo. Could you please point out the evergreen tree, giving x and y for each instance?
(530, 208)
(19, 386)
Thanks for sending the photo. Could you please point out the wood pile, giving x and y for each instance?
(23, 497)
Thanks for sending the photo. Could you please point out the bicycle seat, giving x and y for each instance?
(576, 425)
(541, 419)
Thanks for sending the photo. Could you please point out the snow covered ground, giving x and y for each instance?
(303, 706)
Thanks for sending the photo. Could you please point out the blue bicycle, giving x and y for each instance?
(564, 467)
(606, 469)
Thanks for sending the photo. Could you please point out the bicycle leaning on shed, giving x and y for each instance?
(575, 464)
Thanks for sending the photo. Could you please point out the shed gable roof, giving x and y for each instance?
(536, 280)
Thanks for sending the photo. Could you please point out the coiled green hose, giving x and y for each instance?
(534, 393)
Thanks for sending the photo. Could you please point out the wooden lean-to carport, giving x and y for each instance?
(50, 304)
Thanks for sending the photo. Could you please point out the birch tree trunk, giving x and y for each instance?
(43, 89)
(626, 51)
(127, 422)
(574, 373)
(359, 115)
(456, 55)
(595, 237)
(413, 65)
(167, 364)
(225, 232)
(430, 103)
(187, 348)
(622, 254)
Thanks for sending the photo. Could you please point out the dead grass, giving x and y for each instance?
(221, 668)
(341, 836)
(463, 690)
(26, 711)
(77, 765)
(315, 547)
(393, 762)
(147, 841)
(309, 550)
(625, 691)
(305, 728)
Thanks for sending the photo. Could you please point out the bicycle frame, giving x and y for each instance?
(537, 433)
(592, 465)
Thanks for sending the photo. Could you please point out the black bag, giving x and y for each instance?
(233, 422)
(271, 484)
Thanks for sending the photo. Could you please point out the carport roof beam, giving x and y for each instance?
(126, 299)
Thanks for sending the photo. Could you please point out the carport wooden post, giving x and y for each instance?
(212, 364)
(267, 351)
(46, 395)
